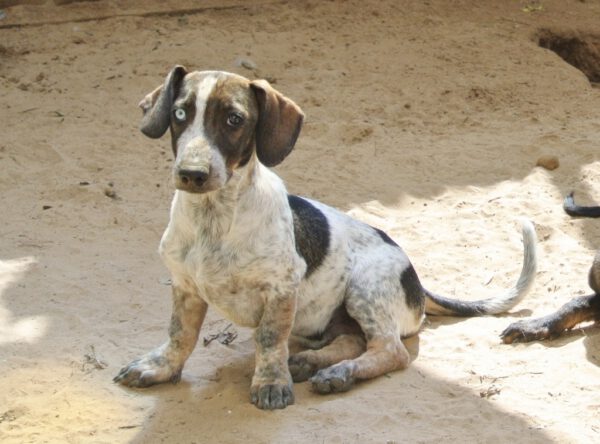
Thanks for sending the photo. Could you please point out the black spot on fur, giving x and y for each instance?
(311, 231)
(415, 297)
(384, 237)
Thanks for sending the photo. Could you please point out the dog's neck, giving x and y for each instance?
(214, 212)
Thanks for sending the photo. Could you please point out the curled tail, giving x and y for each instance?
(440, 305)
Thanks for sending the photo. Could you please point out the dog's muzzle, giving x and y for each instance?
(193, 166)
(191, 180)
(192, 177)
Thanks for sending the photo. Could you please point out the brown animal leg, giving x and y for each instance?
(581, 309)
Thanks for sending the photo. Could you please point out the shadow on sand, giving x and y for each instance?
(388, 409)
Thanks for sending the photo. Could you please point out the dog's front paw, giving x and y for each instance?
(527, 331)
(148, 370)
(337, 378)
(272, 396)
(300, 368)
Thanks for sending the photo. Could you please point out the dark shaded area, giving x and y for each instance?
(577, 49)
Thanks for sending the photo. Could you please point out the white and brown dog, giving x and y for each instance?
(281, 264)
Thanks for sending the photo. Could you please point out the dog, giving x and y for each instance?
(286, 266)
(574, 312)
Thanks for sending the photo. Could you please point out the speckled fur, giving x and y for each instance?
(234, 243)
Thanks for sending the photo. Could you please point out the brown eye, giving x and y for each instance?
(235, 119)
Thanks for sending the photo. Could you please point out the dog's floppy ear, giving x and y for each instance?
(157, 105)
(278, 126)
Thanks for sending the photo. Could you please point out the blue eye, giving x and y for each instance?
(180, 114)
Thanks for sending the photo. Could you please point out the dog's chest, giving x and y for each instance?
(233, 273)
(224, 277)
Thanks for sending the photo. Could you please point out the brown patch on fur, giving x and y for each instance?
(236, 143)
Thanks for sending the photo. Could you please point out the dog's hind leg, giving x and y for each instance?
(341, 339)
(384, 354)
(305, 364)
(377, 300)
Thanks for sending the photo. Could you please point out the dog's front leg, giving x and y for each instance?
(272, 383)
(165, 363)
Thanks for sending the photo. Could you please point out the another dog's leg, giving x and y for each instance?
(581, 309)
(166, 362)
(271, 383)
(303, 365)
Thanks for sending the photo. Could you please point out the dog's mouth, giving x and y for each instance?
(191, 188)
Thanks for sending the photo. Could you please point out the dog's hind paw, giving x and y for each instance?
(272, 396)
(337, 378)
(300, 368)
(150, 369)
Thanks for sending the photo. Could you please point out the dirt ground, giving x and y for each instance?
(425, 119)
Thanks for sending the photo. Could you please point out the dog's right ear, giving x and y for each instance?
(157, 105)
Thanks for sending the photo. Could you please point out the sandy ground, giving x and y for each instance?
(423, 118)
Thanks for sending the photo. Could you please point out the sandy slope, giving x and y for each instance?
(423, 118)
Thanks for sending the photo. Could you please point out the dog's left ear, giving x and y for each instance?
(279, 123)
(157, 105)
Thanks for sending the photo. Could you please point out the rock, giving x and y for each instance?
(548, 162)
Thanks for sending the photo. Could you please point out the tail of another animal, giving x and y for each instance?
(572, 209)
(440, 305)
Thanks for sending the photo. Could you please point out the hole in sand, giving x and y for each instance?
(578, 49)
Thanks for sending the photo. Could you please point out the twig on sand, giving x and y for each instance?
(224, 337)
(92, 359)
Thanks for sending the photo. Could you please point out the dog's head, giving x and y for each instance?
(218, 120)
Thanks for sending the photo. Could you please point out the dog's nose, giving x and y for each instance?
(195, 177)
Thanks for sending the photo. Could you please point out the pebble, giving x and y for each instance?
(548, 162)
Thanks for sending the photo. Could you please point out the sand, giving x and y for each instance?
(425, 119)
